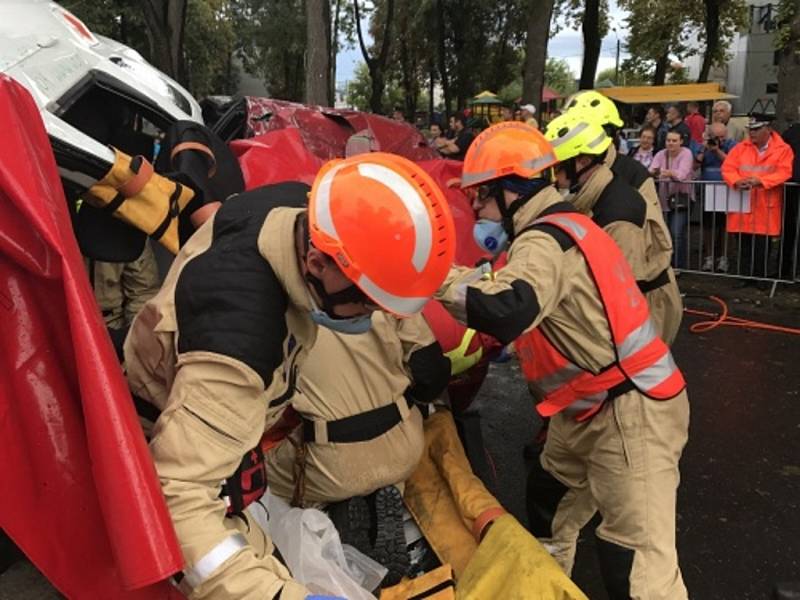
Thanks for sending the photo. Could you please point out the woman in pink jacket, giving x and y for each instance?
(671, 167)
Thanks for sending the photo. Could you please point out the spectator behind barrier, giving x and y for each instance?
(457, 148)
(695, 122)
(760, 165)
(721, 113)
(670, 167)
(656, 119)
(645, 151)
(676, 123)
(709, 158)
(528, 112)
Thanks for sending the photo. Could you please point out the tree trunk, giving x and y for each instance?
(661, 69)
(539, 17)
(334, 53)
(166, 20)
(789, 74)
(376, 65)
(591, 43)
(441, 59)
(712, 38)
(431, 91)
(409, 81)
(318, 54)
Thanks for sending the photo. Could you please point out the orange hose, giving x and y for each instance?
(719, 319)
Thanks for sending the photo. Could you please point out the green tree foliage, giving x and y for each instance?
(359, 91)
(271, 43)
(558, 76)
(609, 74)
(660, 31)
(466, 46)
(591, 17)
(209, 47)
(208, 39)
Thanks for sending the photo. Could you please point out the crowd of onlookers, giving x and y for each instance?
(686, 152)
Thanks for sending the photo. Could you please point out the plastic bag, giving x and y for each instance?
(313, 552)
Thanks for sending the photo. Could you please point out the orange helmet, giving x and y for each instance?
(508, 148)
(387, 225)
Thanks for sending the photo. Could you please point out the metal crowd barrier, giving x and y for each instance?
(703, 244)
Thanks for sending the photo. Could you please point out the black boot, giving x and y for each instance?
(374, 526)
(389, 545)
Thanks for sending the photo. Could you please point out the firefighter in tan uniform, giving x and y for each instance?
(360, 435)
(591, 353)
(218, 349)
(634, 220)
(122, 289)
(360, 423)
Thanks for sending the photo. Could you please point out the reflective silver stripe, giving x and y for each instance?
(205, 567)
(637, 339)
(578, 230)
(586, 403)
(570, 134)
(555, 380)
(655, 374)
(757, 167)
(323, 203)
(406, 306)
(468, 179)
(597, 141)
(413, 202)
(539, 163)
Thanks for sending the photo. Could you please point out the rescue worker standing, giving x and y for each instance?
(653, 269)
(580, 145)
(217, 350)
(590, 352)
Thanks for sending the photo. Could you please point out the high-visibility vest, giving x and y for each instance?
(643, 361)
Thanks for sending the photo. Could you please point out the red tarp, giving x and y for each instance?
(80, 494)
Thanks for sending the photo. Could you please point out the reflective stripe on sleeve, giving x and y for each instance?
(213, 560)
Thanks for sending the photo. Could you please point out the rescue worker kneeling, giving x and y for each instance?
(217, 350)
(356, 397)
(591, 355)
(361, 432)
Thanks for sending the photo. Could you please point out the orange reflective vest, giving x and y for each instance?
(643, 360)
(772, 167)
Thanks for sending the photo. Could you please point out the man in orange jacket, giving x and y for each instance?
(760, 164)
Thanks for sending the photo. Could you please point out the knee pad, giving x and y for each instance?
(544, 492)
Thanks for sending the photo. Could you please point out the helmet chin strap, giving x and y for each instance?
(574, 174)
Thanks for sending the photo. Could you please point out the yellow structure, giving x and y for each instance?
(660, 94)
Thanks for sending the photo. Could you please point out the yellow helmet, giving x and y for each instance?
(572, 135)
(594, 106)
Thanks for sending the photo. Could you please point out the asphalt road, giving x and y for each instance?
(739, 500)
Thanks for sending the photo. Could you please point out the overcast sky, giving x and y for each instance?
(568, 44)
